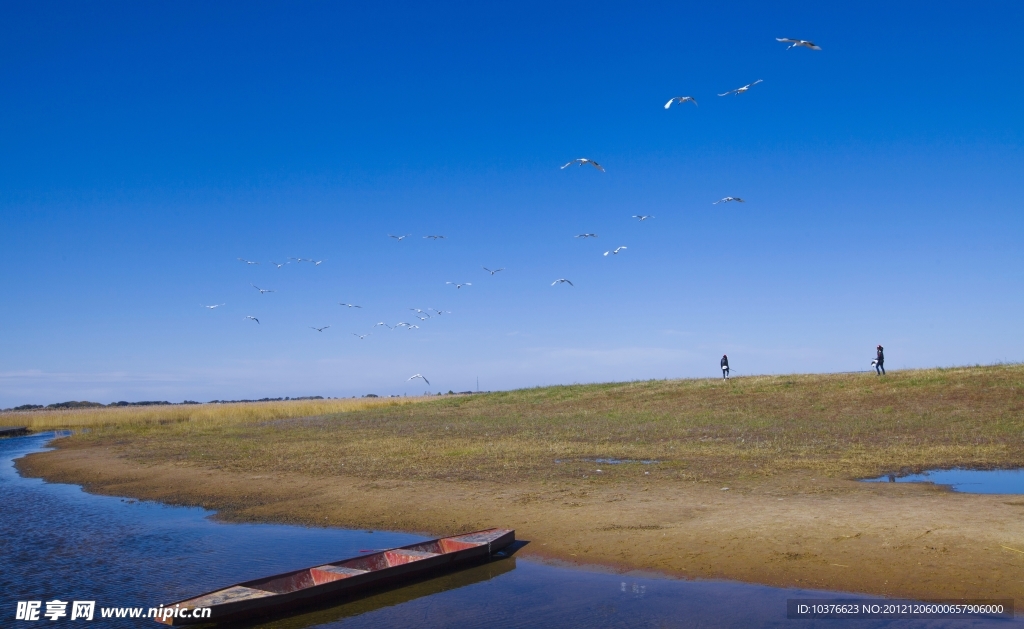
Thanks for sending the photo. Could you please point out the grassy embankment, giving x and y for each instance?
(841, 426)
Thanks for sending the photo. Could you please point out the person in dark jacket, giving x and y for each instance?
(725, 366)
(879, 362)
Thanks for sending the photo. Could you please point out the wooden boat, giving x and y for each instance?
(298, 588)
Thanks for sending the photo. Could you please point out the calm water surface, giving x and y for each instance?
(967, 481)
(58, 542)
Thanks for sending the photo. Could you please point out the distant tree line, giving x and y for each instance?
(84, 404)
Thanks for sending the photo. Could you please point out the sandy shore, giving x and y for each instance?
(885, 539)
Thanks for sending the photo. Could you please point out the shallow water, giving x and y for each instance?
(57, 541)
(967, 481)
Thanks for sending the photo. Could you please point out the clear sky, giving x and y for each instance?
(144, 147)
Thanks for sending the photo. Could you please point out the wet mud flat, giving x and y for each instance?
(71, 544)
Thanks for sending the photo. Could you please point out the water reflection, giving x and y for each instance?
(966, 481)
(427, 587)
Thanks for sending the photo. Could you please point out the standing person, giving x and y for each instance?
(725, 366)
(879, 362)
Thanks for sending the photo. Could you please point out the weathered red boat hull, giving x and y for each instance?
(308, 586)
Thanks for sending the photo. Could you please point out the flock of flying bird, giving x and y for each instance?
(423, 315)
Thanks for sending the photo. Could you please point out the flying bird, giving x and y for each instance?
(494, 271)
(460, 285)
(642, 217)
(560, 280)
(261, 290)
(420, 377)
(349, 305)
(435, 237)
(319, 329)
(279, 265)
(740, 90)
(298, 260)
(680, 100)
(379, 323)
(583, 160)
(400, 237)
(247, 261)
(400, 324)
(798, 42)
(586, 236)
(422, 318)
(362, 336)
(615, 252)
(211, 307)
(727, 199)
(441, 312)
(412, 327)
(252, 317)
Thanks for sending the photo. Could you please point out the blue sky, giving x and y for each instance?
(145, 147)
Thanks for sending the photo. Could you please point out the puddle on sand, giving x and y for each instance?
(57, 541)
(966, 481)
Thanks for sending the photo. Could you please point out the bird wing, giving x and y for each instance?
(568, 282)
(727, 93)
(755, 82)
(570, 164)
(670, 101)
(606, 253)
(595, 165)
(812, 45)
(786, 40)
(739, 199)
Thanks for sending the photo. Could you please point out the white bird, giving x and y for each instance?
(560, 280)
(615, 252)
(261, 290)
(798, 42)
(586, 236)
(349, 305)
(459, 285)
(400, 324)
(400, 237)
(319, 329)
(642, 217)
(211, 307)
(381, 323)
(727, 199)
(422, 318)
(740, 90)
(362, 336)
(247, 261)
(279, 265)
(441, 312)
(419, 376)
(680, 100)
(298, 260)
(252, 317)
(435, 237)
(583, 160)
(412, 327)
(494, 271)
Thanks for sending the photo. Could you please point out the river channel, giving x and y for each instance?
(59, 542)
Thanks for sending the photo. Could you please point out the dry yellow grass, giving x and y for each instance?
(844, 425)
(198, 414)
